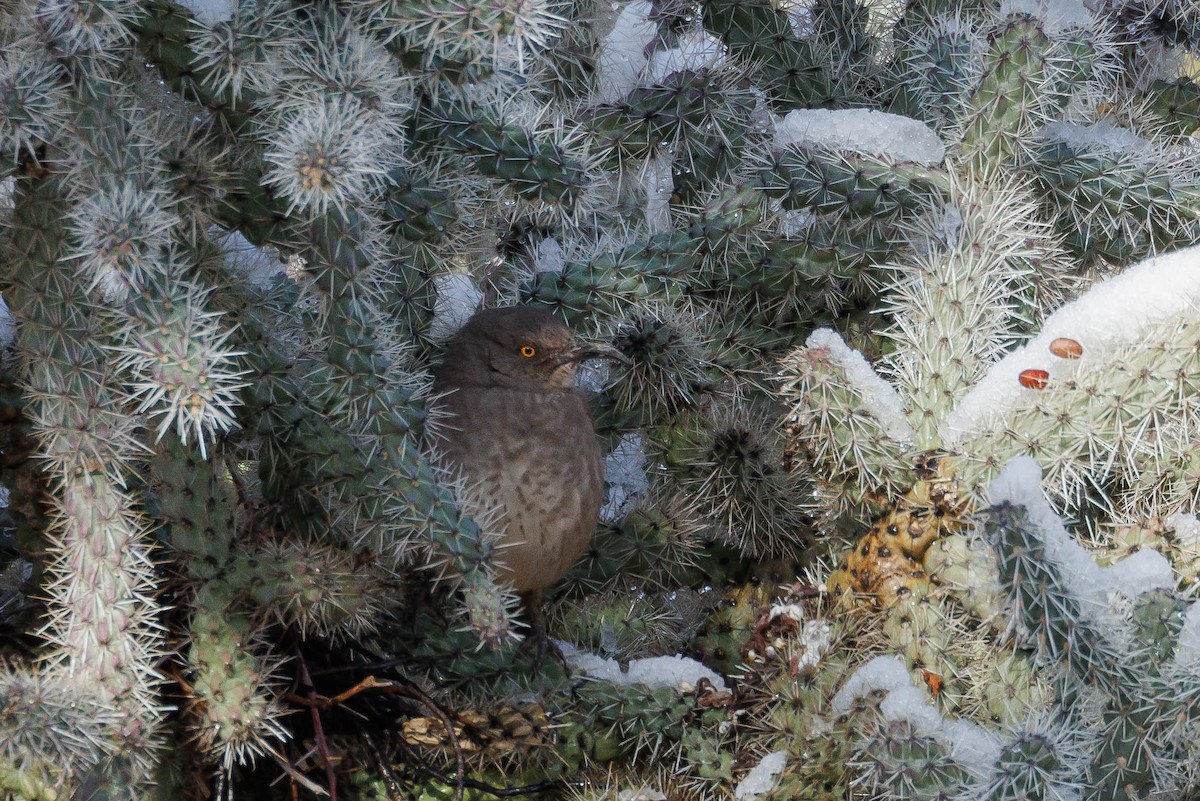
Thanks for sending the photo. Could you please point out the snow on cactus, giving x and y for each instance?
(220, 467)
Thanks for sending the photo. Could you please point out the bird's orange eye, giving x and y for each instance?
(528, 351)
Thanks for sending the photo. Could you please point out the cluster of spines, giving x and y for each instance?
(761, 34)
(322, 170)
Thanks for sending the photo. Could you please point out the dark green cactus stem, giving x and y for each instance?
(1027, 764)
(1158, 617)
(913, 766)
(164, 31)
(712, 159)
(384, 405)
(652, 546)
(794, 71)
(574, 56)
(1118, 207)
(418, 211)
(1051, 617)
(1010, 99)
(1177, 104)
(536, 170)
(841, 26)
(932, 69)
(656, 268)
(233, 706)
(645, 722)
(679, 111)
(338, 263)
(839, 182)
(1047, 611)
(190, 496)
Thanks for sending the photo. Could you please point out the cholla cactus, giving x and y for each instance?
(235, 237)
(1124, 673)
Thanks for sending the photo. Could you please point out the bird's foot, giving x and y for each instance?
(542, 647)
(536, 639)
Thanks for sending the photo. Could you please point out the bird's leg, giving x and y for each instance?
(537, 639)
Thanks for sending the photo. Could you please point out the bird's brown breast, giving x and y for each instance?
(533, 458)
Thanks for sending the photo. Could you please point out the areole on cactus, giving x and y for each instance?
(860, 257)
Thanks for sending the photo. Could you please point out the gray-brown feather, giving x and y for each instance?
(523, 439)
(533, 457)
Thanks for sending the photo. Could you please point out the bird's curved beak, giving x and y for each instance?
(596, 350)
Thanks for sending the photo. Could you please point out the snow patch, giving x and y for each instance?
(210, 12)
(260, 265)
(1020, 483)
(971, 745)
(695, 50)
(642, 794)
(879, 397)
(1057, 16)
(883, 673)
(761, 778)
(623, 52)
(625, 475)
(457, 299)
(677, 672)
(549, 256)
(1187, 652)
(659, 180)
(1187, 529)
(1103, 135)
(864, 131)
(8, 328)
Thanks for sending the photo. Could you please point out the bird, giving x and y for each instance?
(523, 440)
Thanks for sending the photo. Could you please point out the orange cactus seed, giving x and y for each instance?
(932, 680)
(1065, 348)
(1034, 379)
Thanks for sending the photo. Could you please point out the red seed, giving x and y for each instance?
(1034, 379)
(1065, 348)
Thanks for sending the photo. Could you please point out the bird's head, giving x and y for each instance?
(517, 347)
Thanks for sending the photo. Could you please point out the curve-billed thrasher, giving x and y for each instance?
(524, 441)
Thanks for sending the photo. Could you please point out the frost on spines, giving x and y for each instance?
(536, 162)
(317, 589)
(1112, 194)
(936, 64)
(730, 462)
(459, 42)
(910, 751)
(796, 70)
(689, 114)
(1037, 565)
(237, 56)
(87, 35)
(669, 366)
(1030, 71)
